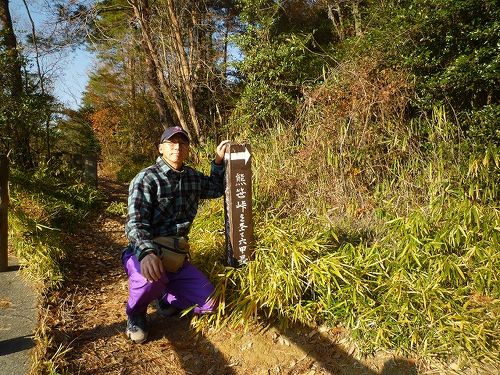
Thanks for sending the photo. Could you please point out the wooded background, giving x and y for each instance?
(232, 67)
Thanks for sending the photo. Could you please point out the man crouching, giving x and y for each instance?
(162, 203)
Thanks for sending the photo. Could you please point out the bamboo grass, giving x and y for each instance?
(415, 272)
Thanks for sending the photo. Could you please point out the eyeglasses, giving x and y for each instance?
(177, 142)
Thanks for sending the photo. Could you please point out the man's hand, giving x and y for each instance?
(151, 267)
(221, 150)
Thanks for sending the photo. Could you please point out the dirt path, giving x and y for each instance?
(88, 318)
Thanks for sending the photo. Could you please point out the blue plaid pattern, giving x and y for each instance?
(160, 198)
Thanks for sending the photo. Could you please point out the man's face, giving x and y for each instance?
(175, 150)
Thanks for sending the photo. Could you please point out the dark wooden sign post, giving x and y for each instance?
(4, 207)
(238, 204)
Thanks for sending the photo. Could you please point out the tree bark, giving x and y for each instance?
(155, 69)
(225, 51)
(184, 65)
(19, 131)
(339, 26)
(166, 118)
(357, 17)
(10, 41)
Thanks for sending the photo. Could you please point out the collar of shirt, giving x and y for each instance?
(167, 168)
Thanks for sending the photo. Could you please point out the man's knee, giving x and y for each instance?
(138, 283)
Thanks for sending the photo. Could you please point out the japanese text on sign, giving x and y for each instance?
(238, 205)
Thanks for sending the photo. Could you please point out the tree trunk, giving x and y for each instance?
(184, 65)
(339, 25)
(19, 131)
(161, 89)
(224, 57)
(10, 42)
(357, 17)
(166, 118)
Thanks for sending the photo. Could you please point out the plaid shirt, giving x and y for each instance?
(160, 198)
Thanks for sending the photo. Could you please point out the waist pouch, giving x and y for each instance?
(172, 251)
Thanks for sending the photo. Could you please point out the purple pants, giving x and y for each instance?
(186, 288)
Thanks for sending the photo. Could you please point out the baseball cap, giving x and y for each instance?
(171, 131)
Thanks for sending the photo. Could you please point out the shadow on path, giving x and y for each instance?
(172, 348)
(197, 354)
(17, 344)
(323, 351)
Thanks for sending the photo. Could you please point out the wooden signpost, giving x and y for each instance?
(4, 206)
(238, 204)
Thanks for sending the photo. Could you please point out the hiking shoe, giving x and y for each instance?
(166, 310)
(137, 328)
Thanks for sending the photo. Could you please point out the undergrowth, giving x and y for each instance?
(406, 259)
